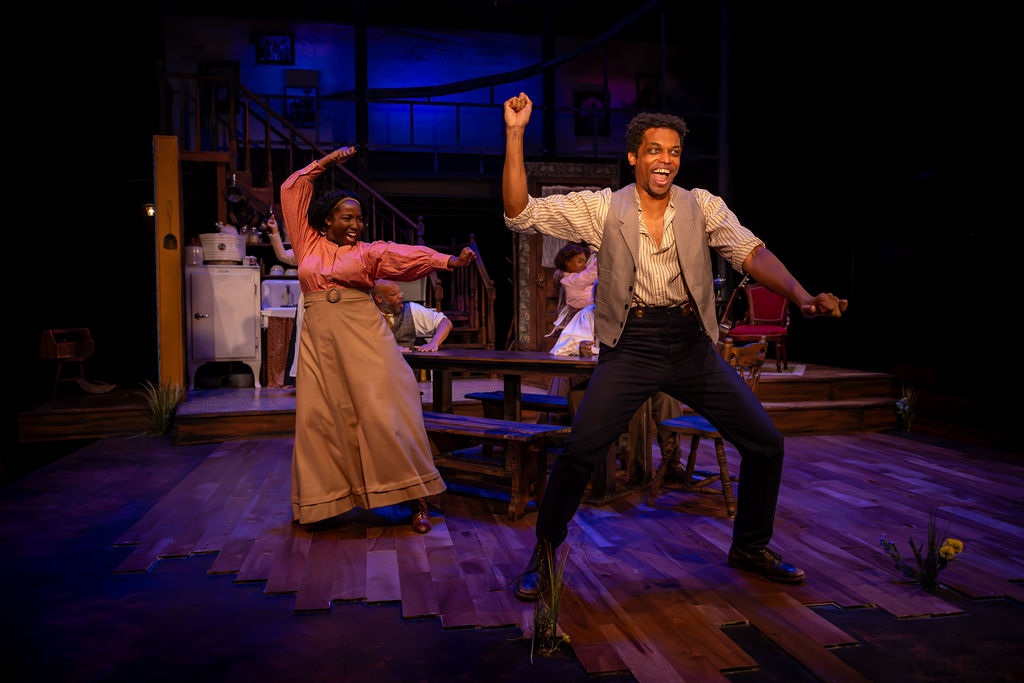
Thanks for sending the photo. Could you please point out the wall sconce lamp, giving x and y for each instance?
(150, 209)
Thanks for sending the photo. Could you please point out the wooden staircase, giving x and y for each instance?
(219, 121)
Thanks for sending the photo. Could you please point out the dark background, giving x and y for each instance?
(870, 149)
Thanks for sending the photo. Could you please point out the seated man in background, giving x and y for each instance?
(578, 339)
(410, 322)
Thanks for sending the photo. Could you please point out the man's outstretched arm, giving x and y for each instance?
(768, 270)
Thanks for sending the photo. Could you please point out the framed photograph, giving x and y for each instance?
(591, 118)
(275, 48)
(300, 107)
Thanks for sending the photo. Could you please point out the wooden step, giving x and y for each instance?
(850, 416)
(815, 385)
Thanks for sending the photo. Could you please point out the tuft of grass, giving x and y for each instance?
(163, 400)
(546, 638)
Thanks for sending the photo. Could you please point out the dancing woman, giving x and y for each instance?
(359, 435)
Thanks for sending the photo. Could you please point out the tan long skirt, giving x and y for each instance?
(359, 435)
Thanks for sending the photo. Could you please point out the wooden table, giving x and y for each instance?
(512, 365)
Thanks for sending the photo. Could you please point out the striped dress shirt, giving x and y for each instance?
(580, 217)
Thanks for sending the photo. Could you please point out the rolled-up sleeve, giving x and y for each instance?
(576, 216)
(425, 320)
(725, 232)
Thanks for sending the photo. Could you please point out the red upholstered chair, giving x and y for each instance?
(767, 318)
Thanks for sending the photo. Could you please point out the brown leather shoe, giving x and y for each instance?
(421, 517)
(766, 563)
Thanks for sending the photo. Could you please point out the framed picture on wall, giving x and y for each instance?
(275, 48)
(300, 107)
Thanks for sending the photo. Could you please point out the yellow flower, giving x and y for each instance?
(958, 546)
(947, 552)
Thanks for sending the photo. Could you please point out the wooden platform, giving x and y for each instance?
(648, 587)
(75, 414)
(822, 400)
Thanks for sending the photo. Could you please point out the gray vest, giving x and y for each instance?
(404, 328)
(616, 262)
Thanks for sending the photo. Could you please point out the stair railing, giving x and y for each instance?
(217, 119)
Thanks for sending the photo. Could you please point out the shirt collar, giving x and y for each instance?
(671, 197)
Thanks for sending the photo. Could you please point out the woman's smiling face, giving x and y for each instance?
(345, 223)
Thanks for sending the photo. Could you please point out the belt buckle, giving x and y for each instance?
(334, 295)
(638, 312)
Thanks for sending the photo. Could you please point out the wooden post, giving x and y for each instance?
(169, 298)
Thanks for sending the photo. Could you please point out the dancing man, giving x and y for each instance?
(655, 321)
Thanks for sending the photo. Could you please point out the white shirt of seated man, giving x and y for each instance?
(577, 338)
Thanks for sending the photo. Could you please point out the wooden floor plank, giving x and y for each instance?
(816, 628)
(262, 555)
(229, 560)
(314, 592)
(289, 564)
(418, 596)
(819, 661)
(455, 603)
(588, 641)
(645, 664)
(493, 607)
(382, 582)
(349, 580)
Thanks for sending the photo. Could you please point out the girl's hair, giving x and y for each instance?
(321, 207)
(567, 252)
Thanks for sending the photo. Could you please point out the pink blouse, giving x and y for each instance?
(579, 287)
(324, 264)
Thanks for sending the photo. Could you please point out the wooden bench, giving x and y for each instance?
(523, 466)
(635, 458)
(494, 403)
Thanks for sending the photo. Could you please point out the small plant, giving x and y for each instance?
(905, 407)
(163, 400)
(931, 558)
(546, 638)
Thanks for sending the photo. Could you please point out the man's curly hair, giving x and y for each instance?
(641, 122)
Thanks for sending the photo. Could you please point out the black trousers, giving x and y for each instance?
(667, 351)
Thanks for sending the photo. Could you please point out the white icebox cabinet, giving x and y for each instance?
(222, 312)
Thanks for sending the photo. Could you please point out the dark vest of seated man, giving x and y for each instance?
(411, 323)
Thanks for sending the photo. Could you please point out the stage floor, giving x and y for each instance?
(88, 545)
